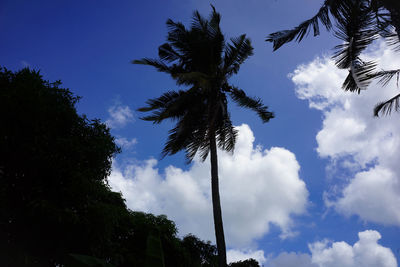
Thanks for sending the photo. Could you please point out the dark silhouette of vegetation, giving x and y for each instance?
(358, 24)
(246, 263)
(200, 59)
(56, 208)
(53, 168)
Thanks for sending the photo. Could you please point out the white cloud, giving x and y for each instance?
(233, 255)
(353, 139)
(120, 116)
(257, 187)
(125, 143)
(365, 252)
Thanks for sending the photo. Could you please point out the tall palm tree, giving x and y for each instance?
(200, 59)
(358, 24)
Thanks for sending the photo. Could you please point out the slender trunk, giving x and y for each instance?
(219, 229)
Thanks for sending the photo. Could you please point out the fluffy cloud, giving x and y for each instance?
(258, 187)
(120, 116)
(365, 252)
(353, 139)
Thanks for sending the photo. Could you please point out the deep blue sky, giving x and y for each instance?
(88, 45)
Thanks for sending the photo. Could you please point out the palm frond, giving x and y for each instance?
(359, 77)
(214, 20)
(172, 70)
(355, 28)
(198, 22)
(177, 36)
(158, 64)
(386, 76)
(193, 78)
(171, 105)
(167, 53)
(391, 38)
(189, 134)
(240, 97)
(282, 37)
(386, 108)
(236, 53)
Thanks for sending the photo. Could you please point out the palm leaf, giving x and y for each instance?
(386, 76)
(359, 76)
(167, 53)
(236, 53)
(193, 78)
(282, 37)
(386, 108)
(240, 97)
(355, 28)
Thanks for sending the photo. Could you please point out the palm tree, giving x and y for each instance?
(200, 59)
(358, 24)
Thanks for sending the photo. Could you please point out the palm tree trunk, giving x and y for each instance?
(219, 228)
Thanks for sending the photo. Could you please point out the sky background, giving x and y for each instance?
(319, 185)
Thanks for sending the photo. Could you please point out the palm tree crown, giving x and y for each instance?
(358, 24)
(200, 59)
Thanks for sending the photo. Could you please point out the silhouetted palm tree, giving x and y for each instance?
(200, 59)
(358, 24)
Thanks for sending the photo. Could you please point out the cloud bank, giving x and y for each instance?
(258, 188)
(366, 147)
(365, 252)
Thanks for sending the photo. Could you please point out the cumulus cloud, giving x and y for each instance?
(365, 252)
(119, 116)
(353, 139)
(258, 188)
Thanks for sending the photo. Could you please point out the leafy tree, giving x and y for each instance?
(358, 24)
(54, 199)
(200, 59)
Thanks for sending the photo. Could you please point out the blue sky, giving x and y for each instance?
(317, 185)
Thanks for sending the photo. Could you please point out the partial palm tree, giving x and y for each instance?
(358, 24)
(200, 60)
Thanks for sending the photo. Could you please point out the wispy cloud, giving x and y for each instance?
(125, 142)
(119, 116)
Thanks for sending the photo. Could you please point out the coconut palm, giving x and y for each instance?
(358, 24)
(200, 59)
